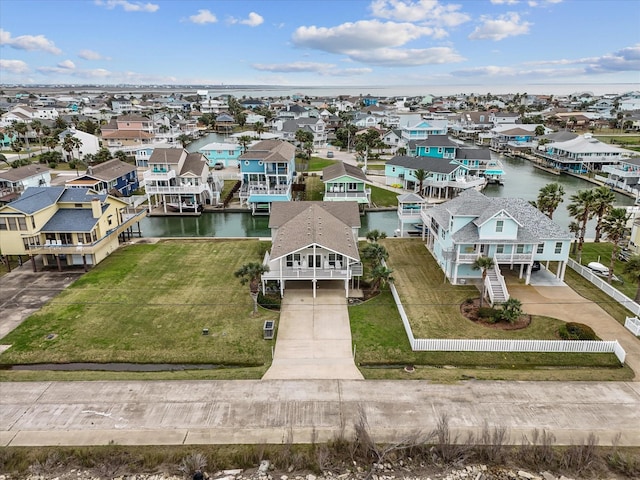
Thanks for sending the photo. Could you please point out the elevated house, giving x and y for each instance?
(344, 182)
(509, 230)
(317, 126)
(410, 207)
(224, 123)
(267, 170)
(14, 181)
(422, 130)
(66, 226)
(127, 132)
(624, 175)
(581, 155)
(313, 242)
(467, 125)
(114, 177)
(179, 181)
(222, 153)
(515, 138)
(445, 178)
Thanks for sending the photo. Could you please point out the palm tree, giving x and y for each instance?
(22, 129)
(380, 275)
(259, 128)
(420, 175)
(375, 252)
(603, 203)
(244, 141)
(252, 273)
(3, 158)
(484, 264)
(549, 198)
(374, 235)
(36, 125)
(511, 310)
(614, 226)
(581, 209)
(184, 140)
(539, 131)
(68, 144)
(574, 228)
(632, 267)
(51, 142)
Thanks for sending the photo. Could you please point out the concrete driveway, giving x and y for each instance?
(314, 335)
(24, 292)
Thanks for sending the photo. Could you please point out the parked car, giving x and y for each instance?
(329, 154)
(535, 266)
(218, 166)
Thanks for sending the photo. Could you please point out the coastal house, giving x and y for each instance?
(423, 129)
(624, 175)
(467, 125)
(410, 207)
(127, 132)
(437, 146)
(267, 170)
(14, 181)
(179, 181)
(391, 138)
(224, 123)
(313, 242)
(345, 183)
(317, 126)
(445, 178)
(222, 153)
(582, 154)
(515, 138)
(509, 230)
(90, 144)
(66, 226)
(114, 177)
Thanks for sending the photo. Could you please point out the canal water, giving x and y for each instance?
(521, 180)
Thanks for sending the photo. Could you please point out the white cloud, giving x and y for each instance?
(504, 2)
(508, 25)
(491, 72)
(68, 64)
(90, 55)
(253, 20)
(429, 12)
(13, 66)
(203, 17)
(396, 57)
(361, 35)
(293, 67)
(128, 6)
(624, 60)
(29, 42)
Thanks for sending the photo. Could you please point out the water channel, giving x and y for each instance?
(521, 180)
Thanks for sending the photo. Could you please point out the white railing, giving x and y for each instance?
(501, 283)
(613, 292)
(152, 189)
(411, 212)
(306, 274)
(495, 345)
(513, 257)
(633, 325)
(364, 195)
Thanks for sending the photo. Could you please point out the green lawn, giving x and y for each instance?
(433, 307)
(316, 164)
(381, 197)
(149, 304)
(620, 139)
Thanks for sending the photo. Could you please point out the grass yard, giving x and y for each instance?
(314, 189)
(226, 188)
(316, 164)
(434, 309)
(148, 304)
(381, 197)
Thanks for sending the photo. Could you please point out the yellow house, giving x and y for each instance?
(67, 226)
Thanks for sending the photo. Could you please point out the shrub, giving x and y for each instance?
(489, 314)
(576, 331)
(53, 164)
(272, 302)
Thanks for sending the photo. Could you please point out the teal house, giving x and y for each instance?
(225, 153)
(345, 183)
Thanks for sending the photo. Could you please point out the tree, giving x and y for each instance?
(632, 267)
(303, 136)
(183, 139)
(539, 131)
(380, 276)
(574, 228)
(511, 310)
(581, 209)
(420, 175)
(602, 205)
(484, 264)
(244, 141)
(51, 142)
(16, 146)
(3, 158)
(549, 198)
(614, 226)
(36, 126)
(251, 273)
(22, 128)
(120, 155)
(374, 235)
(68, 144)
(259, 128)
(375, 252)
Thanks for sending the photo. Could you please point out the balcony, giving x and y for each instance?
(621, 171)
(408, 212)
(361, 197)
(176, 189)
(158, 175)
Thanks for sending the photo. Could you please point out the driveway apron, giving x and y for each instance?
(314, 337)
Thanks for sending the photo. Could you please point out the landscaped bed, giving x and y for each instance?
(149, 304)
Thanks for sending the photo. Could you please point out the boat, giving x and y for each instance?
(184, 207)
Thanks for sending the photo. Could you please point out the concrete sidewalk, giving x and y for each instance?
(253, 411)
(314, 335)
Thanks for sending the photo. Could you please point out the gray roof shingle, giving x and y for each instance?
(35, 199)
(71, 220)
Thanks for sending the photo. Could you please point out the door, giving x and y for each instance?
(317, 263)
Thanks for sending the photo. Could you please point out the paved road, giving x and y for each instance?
(231, 412)
(314, 336)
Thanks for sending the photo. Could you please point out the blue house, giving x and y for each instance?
(225, 153)
(267, 171)
(509, 230)
(436, 146)
(113, 177)
(423, 129)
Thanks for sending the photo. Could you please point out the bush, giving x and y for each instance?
(489, 314)
(576, 331)
(269, 301)
(53, 164)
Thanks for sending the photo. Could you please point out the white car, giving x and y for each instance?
(602, 271)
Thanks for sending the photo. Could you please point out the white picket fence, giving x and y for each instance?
(633, 325)
(482, 345)
(602, 284)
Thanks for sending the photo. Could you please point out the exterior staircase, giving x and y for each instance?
(495, 286)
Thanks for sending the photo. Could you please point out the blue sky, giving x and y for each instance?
(319, 43)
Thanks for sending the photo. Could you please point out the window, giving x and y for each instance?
(4, 225)
(440, 149)
(558, 249)
(520, 248)
(86, 239)
(540, 248)
(77, 205)
(352, 187)
(499, 226)
(500, 249)
(110, 219)
(335, 260)
(22, 223)
(293, 260)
